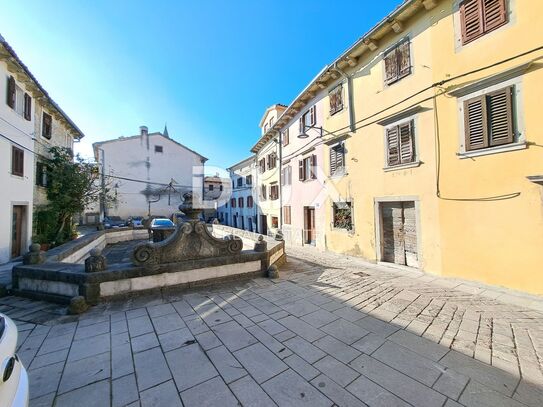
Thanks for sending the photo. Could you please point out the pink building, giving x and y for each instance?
(303, 189)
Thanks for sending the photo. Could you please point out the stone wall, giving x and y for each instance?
(63, 275)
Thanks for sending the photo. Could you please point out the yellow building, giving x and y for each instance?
(268, 158)
(442, 166)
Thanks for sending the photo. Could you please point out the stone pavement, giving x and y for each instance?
(332, 330)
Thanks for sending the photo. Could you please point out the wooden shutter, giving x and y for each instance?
(404, 58)
(407, 150)
(47, 125)
(285, 137)
(301, 126)
(500, 115)
(313, 163)
(301, 172)
(11, 92)
(40, 168)
(392, 141)
(471, 20)
(495, 14)
(341, 155)
(28, 107)
(391, 67)
(333, 160)
(313, 113)
(475, 123)
(17, 161)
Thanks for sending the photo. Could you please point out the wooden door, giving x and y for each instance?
(309, 225)
(399, 233)
(264, 225)
(410, 234)
(17, 231)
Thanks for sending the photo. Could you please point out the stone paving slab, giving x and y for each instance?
(333, 330)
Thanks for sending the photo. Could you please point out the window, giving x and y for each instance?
(337, 159)
(274, 192)
(17, 161)
(336, 99)
(221, 187)
(11, 95)
(158, 149)
(249, 179)
(46, 126)
(240, 182)
(286, 215)
(250, 202)
(272, 161)
(275, 222)
(265, 127)
(233, 202)
(211, 187)
(478, 17)
(308, 119)
(307, 168)
(240, 202)
(42, 178)
(343, 215)
(400, 143)
(489, 119)
(263, 192)
(397, 62)
(18, 100)
(27, 107)
(262, 165)
(286, 175)
(286, 138)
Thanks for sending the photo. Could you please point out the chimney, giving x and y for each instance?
(144, 131)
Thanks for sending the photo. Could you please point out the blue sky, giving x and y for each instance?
(207, 68)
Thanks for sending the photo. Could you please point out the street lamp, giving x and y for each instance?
(303, 134)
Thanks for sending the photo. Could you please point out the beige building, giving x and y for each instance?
(268, 163)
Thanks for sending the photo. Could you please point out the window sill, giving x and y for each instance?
(18, 176)
(492, 150)
(403, 166)
(339, 174)
(336, 112)
(343, 230)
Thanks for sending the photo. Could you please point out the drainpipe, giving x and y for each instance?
(349, 79)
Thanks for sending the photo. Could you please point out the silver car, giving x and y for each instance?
(13, 376)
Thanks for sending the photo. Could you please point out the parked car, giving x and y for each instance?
(14, 386)
(161, 228)
(135, 221)
(113, 222)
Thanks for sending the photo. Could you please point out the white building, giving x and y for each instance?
(148, 173)
(21, 112)
(241, 209)
(216, 192)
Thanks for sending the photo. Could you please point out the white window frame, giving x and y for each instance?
(518, 120)
(416, 162)
(511, 6)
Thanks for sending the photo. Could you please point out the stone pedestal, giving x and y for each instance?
(34, 256)
(261, 245)
(96, 261)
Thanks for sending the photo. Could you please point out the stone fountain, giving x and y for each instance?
(192, 240)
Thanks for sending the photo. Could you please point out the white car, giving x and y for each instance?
(13, 376)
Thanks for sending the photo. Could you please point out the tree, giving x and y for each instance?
(74, 184)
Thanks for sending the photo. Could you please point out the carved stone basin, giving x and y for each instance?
(191, 240)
